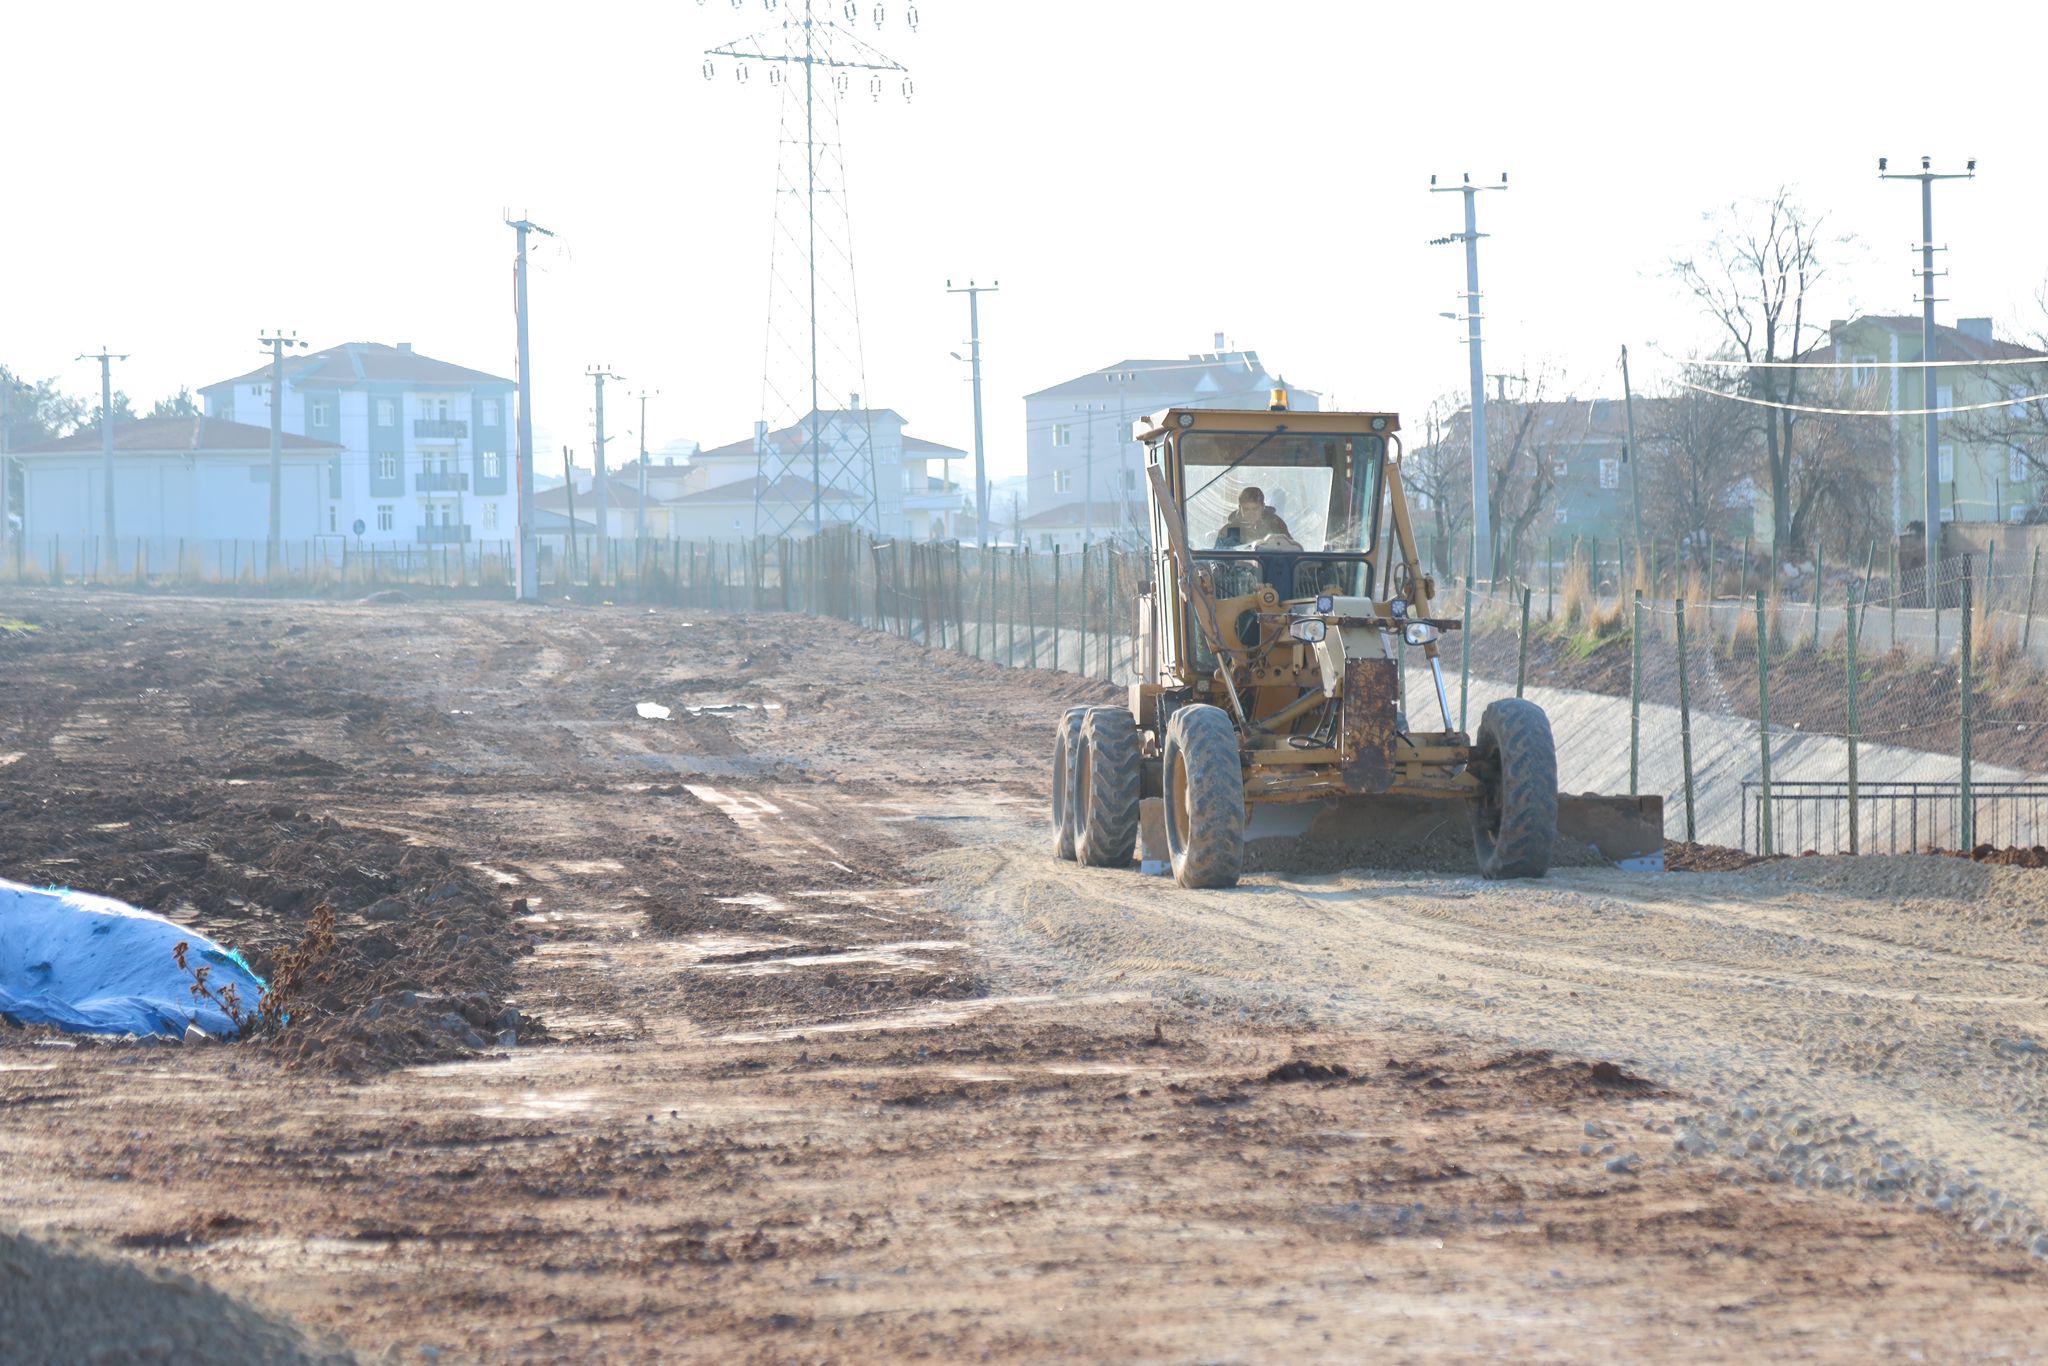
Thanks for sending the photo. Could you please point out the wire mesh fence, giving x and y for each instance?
(1778, 708)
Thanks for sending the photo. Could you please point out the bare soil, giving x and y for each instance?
(838, 1063)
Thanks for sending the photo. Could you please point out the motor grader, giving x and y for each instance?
(1283, 589)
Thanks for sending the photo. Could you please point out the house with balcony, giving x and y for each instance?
(424, 455)
(917, 496)
(1077, 433)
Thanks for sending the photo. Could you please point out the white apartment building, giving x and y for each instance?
(425, 454)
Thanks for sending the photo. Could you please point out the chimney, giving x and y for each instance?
(405, 348)
(1219, 341)
(853, 400)
(1979, 328)
(760, 435)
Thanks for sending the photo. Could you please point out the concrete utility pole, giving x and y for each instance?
(640, 525)
(277, 342)
(529, 546)
(6, 472)
(1482, 529)
(1088, 474)
(974, 292)
(1931, 431)
(106, 360)
(600, 497)
(1635, 478)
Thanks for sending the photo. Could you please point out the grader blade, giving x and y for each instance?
(1401, 832)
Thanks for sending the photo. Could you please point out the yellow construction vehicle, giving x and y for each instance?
(1284, 589)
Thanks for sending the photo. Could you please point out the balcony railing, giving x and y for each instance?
(429, 481)
(439, 428)
(452, 533)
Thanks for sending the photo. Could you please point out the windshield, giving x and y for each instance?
(1280, 491)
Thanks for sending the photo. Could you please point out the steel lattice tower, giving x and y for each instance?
(817, 463)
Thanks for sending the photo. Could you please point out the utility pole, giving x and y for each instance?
(277, 342)
(1482, 531)
(1931, 431)
(640, 523)
(1088, 473)
(6, 471)
(106, 360)
(1635, 478)
(974, 292)
(600, 496)
(569, 493)
(529, 545)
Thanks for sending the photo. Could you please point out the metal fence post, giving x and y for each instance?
(1967, 800)
(1685, 722)
(1746, 538)
(1011, 657)
(1522, 660)
(2033, 577)
(1635, 693)
(1465, 645)
(1031, 605)
(1894, 571)
(1849, 634)
(1763, 725)
(1109, 580)
(1055, 607)
(1816, 596)
(1550, 578)
(1087, 612)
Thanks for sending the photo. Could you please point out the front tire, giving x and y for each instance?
(1065, 744)
(1204, 782)
(1106, 789)
(1514, 823)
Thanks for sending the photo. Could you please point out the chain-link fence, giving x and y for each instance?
(1869, 719)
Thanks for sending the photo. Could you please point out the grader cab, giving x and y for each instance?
(1289, 675)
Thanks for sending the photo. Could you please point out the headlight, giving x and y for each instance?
(1398, 608)
(1309, 630)
(1419, 633)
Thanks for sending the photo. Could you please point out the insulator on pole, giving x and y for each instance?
(875, 13)
(906, 89)
(709, 70)
(852, 11)
(741, 72)
(910, 18)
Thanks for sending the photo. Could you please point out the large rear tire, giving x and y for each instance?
(1105, 789)
(1204, 782)
(1066, 740)
(1514, 823)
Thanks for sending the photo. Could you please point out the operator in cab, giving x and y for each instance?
(1252, 522)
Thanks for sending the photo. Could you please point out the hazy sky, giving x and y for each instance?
(1139, 174)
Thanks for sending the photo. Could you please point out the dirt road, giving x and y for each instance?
(817, 1054)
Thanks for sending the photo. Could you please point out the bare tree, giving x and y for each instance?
(2019, 426)
(1697, 451)
(1438, 477)
(1521, 455)
(1753, 278)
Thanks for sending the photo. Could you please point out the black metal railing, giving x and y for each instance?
(441, 481)
(1892, 817)
(440, 428)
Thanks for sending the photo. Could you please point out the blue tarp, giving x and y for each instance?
(93, 965)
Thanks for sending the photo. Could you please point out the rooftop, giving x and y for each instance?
(357, 365)
(178, 435)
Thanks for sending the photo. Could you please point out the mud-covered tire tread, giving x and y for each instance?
(1106, 832)
(1066, 735)
(1210, 852)
(1514, 738)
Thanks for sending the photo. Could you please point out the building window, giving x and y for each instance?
(1562, 516)
(387, 464)
(490, 516)
(1863, 371)
(1557, 468)
(1062, 481)
(384, 522)
(2018, 469)
(1062, 434)
(319, 412)
(490, 413)
(1948, 515)
(387, 412)
(1946, 465)
(333, 517)
(226, 413)
(1944, 397)
(2018, 394)
(434, 409)
(1610, 474)
(487, 461)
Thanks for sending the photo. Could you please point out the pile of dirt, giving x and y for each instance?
(65, 1303)
(422, 951)
(1683, 856)
(2035, 857)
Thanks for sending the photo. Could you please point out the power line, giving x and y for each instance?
(1863, 412)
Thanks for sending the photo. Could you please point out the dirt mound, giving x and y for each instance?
(2035, 857)
(423, 951)
(66, 1303)
(1682, 856)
